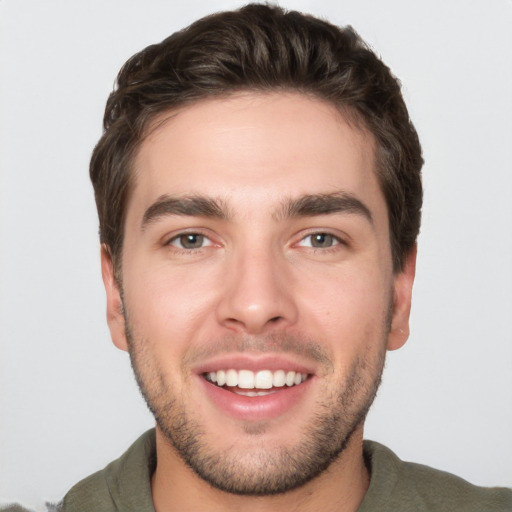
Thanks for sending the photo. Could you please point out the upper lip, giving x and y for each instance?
(254, 362)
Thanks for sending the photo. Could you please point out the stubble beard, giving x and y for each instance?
(263, 471)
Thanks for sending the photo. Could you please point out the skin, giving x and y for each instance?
(256, 283)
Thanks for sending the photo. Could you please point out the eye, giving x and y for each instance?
(189, 241)
(319, 241)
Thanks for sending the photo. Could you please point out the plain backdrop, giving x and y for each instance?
(68, 401)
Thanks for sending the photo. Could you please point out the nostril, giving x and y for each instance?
(275, 319)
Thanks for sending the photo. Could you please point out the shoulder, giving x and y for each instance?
(91, 493)
(15, 507)
(124, 484)
(397, 485)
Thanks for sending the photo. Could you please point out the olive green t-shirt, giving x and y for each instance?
(395, 486)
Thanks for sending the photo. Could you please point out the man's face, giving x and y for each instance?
(257, 286)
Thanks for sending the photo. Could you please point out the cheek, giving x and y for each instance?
(165, 302)
(348, 309)
(345, 293)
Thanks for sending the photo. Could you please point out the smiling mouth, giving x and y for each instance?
(249, 383)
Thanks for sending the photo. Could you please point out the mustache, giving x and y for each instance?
(276, 343)
(271, 343)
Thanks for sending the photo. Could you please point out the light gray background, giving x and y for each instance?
(68, 402)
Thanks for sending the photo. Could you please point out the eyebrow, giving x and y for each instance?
(309, 205)
(324, 204)
(193, 206)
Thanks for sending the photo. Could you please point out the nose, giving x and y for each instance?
(257, 294)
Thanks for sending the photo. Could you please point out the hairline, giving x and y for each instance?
(158, 119)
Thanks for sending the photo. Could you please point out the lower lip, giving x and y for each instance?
(255, 408)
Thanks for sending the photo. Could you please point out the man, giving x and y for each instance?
(259, 195)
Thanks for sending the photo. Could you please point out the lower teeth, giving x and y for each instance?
(253, 393)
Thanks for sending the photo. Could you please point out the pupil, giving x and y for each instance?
(322, 240)
(191, 241)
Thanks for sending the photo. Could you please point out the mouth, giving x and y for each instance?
(255, 383)
(255, 387)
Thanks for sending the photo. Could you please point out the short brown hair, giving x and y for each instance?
(260, 48)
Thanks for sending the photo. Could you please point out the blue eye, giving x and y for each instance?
(319, 241)
(190, 241)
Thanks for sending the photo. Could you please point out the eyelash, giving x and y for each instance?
(179, 236)
(336, 241)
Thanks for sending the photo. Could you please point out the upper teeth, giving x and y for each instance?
(264, 379)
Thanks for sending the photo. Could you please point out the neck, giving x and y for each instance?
(341, 487)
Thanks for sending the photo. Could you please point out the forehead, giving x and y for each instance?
(254, 150)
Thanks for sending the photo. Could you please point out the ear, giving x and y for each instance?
(402, 295)
(115, 317)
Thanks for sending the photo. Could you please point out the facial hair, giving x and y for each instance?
(263, 471)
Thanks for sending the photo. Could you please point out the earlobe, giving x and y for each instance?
(115, 316)
(399, 331)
